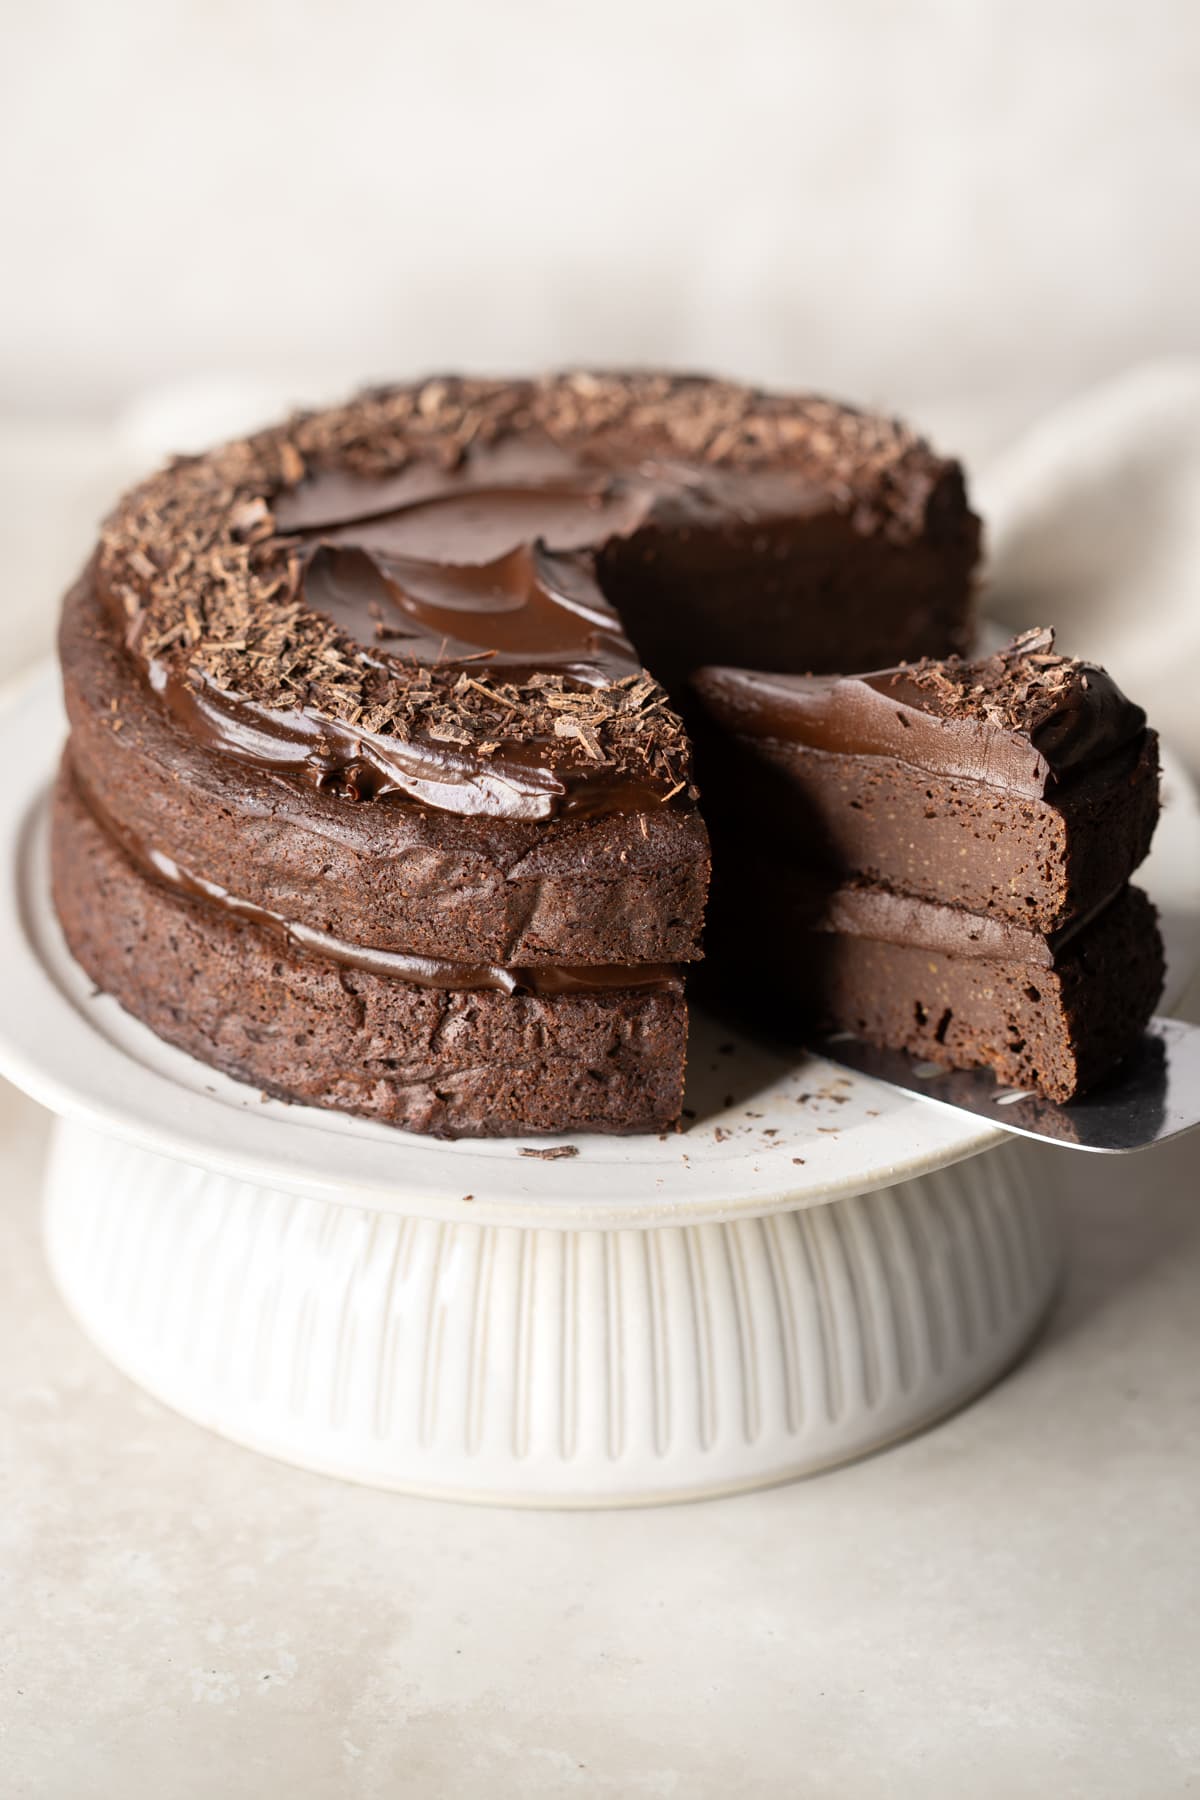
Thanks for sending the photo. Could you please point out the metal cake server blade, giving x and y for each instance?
(1153, 1096)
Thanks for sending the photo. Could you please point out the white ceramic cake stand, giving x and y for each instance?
(814, 1267)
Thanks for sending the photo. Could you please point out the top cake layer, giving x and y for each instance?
(415, 593)
(1024, 719)
(1022, 784)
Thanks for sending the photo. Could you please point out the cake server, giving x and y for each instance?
(1155, 1095)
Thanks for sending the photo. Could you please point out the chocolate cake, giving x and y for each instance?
(938, 856)
(369, 799)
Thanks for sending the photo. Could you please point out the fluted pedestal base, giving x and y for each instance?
(546, 1367)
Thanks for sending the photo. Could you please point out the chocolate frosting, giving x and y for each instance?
(400, 596)
(487, 568)
(486, 563)
(389, 563)
(1025, 719)
(865, 911)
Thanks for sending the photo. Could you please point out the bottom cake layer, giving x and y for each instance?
(1055, 1014)
(242, 998)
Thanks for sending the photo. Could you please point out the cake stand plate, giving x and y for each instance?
(813, 1267)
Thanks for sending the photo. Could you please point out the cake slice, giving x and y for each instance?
(1023, 784)
(938, 856)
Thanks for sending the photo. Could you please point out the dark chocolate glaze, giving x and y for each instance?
(524, 610)
(888, 714)
(420, 971)
(487, 563)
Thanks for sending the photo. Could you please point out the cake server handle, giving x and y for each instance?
(1153, 1096)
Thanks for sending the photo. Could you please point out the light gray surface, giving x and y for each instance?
(1007, 1606)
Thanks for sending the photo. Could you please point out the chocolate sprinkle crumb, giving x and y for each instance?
(1019, 688)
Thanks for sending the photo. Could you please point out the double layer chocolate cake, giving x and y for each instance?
(938, 857)
(369, 798)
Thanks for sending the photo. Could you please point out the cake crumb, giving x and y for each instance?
(555, 1154)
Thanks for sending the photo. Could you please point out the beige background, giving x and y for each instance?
(968, 207)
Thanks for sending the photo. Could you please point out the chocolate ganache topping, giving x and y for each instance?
(450, 572)
(399, 596)
(1025, 719)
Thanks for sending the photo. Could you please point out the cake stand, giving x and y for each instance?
(812, 1268)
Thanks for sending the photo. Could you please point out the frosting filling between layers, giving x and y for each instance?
(862, 910)
(420, 971)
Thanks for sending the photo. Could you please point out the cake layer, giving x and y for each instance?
(247, 999)
(1054, 1013)
(616, 889)
(1033, 815)
(959, 842)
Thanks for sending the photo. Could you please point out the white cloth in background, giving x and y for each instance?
(1094, 527)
